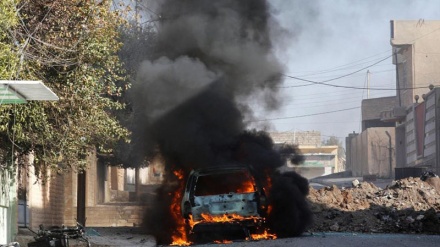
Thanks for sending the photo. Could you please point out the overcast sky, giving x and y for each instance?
(326, 39)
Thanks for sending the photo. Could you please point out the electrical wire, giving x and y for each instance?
(350, 87)
(311, 84)
(335, 93)
(342, 67)
(339, 77)
(306, 115)
(342, 76)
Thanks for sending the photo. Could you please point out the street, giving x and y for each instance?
(330, 239)
(322, 239)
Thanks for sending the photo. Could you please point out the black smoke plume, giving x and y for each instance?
(190, 103)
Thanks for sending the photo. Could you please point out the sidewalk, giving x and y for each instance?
(119, 236)
(101, 237)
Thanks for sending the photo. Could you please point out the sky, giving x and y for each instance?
(322, 40)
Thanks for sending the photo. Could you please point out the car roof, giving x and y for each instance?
(219, 170)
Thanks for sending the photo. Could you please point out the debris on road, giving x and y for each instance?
(409, 205)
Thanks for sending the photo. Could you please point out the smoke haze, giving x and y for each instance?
(190, 102)
(219, 48)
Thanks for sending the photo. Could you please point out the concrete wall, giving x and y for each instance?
(358, 155)
(369, 152)
(405, 74)
(400, 146)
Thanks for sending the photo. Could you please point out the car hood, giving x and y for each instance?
(232, 205)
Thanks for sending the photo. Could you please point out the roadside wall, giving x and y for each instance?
(54, 203)
(370, 152)
(46, 200)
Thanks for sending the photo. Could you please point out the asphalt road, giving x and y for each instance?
(121, 237)
(344, 240)
(124, 237)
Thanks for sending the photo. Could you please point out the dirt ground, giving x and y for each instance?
(409, 205)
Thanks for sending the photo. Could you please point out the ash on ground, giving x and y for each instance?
(408, 205)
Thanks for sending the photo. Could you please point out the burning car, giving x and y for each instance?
(226, 198)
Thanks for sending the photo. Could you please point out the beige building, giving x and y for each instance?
(320, 160)
(15, 92)
(419, 135)
(416, 55)
(372, 151)
(104, 196)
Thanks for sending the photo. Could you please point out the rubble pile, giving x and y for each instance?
(408, 205)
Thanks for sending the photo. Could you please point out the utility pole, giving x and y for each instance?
(368, 84)
(136, 11)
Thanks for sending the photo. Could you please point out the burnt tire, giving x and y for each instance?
(290, 215)
(38, 244)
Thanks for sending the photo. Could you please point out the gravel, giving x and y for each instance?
(408, 205)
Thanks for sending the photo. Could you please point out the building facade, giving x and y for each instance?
(107, 196)
(412, 113)
(416, 54)
(420, 135)
(371, 152)
(319, 159)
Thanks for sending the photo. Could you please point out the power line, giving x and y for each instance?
(353, 75)
(342, 67)
(307, 115)
(350, 87)
(318, 123)
(311, 84)
(366, 67)
(360, 61)
(339, 77)
(342, 76)
(334, 94)
(312, 102)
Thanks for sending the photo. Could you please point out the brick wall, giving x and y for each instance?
(70, 181)
(115, 215)
(46, 201)
(55, 202)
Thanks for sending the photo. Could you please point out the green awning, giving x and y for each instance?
(9, 96)
(19, 92)
(315, 164)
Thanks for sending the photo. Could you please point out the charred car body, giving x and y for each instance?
(223, 198)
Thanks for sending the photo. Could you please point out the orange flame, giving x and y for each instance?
(223, 242)
(225, 218)
(265, 235)
(178, 174)
(247, 187)
(179, 236)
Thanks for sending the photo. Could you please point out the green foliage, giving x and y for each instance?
(334, 141)
(72, 46)
(8, 56)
